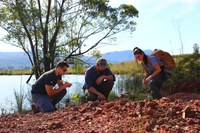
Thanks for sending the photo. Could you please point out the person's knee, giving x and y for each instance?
(90, 96)
(47, 108)
(108, 84)
(45, 105)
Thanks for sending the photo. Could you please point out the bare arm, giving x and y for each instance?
(156, 72)
(101, 78)
(52, 91)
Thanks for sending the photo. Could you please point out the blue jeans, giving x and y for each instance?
(155, 85)
(104, 88)
(47, 103)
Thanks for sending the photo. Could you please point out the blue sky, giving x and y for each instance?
(159, 23)
(158, 26)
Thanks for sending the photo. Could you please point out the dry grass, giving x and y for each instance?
(126, 68)
(15, 72)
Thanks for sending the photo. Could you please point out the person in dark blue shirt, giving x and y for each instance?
(49, 89)
(154, 71)
(99, 81)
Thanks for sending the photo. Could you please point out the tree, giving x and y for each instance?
(51, 30)
(178, 27)
(196, 48)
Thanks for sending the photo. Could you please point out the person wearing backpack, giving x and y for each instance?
(154, 71)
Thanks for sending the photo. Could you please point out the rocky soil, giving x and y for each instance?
(178, 113)
(167, 115)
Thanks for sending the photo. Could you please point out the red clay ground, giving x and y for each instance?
(179, 113)
(165, 115)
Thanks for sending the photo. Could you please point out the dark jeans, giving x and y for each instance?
(155, 85)
(104, 88)
(47, 103)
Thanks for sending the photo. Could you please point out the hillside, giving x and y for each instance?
(13, 60)
(19, 60)
(121, 56)
(166, 115)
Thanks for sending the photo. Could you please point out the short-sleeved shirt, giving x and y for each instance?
(92, 75)
(48, 78)
(152, 61)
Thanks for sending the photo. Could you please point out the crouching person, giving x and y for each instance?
(99, 81)
(45, 95)
(154, 73)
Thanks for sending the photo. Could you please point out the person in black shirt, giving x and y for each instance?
(45, 94)
(99, 81)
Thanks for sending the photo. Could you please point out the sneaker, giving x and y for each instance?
(35, 109)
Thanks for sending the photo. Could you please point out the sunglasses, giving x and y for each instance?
(102, 64)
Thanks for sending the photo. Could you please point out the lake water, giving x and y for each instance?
(14, 83)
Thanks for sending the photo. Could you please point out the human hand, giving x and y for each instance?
(101, 97)
(146, 80)
(99, 80)
(67, 84)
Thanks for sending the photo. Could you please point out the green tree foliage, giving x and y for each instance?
(196, 48)
(50, 30)
(78, 67)
(96, 53)
(188, 68)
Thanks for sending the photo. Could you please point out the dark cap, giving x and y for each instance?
(102, 63)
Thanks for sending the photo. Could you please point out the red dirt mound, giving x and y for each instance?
(186, 87)
(166, 115)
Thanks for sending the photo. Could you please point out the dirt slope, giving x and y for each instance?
(120, 116)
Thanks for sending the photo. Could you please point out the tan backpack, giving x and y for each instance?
(165, 57)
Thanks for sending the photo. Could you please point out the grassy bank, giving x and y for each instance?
(121, 68)
(15, 72)
(131, 68)
(28, 72)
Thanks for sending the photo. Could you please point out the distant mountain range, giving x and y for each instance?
(14, 60)
(121, 56)
(19, 60)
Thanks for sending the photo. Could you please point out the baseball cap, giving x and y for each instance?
(102, 63)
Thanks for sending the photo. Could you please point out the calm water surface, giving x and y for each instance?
(12, 83)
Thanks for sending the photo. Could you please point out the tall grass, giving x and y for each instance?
(132, 88)
(3, 111)
(19, 99)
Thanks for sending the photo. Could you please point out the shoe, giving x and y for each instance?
(55, 108)
(35, 109)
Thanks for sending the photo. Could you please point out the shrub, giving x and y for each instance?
(188, 68)
(112, 96)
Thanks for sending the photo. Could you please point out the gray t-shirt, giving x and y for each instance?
(152, 61)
